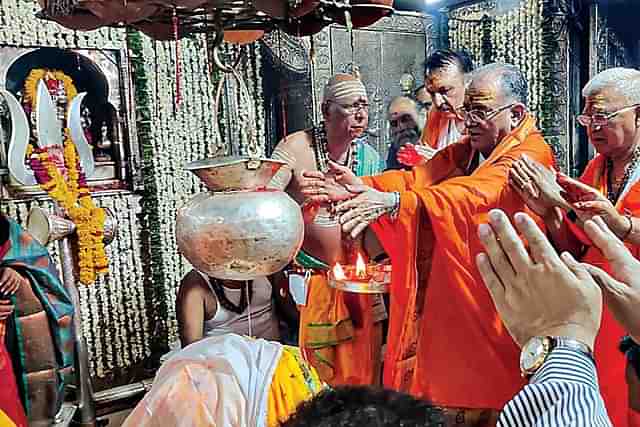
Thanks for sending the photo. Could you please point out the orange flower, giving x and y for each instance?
(69, 194)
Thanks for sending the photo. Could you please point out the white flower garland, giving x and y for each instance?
(516, 38)
(116, 322)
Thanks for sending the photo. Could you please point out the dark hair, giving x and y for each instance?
(444, 57)
(364, 406)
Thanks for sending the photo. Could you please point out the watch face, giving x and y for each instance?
(533, 354)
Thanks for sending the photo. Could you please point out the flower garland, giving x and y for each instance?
(51, 79)
(71, 193)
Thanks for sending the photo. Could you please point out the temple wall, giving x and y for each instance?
(390, 55)
(529, 34)
(129, 314)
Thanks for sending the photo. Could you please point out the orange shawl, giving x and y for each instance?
(435, 123)
(611, 362)
(446, 342)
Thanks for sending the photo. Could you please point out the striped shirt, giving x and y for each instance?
(564, 392)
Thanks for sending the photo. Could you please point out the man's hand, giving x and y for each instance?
(6, 308)
(622, 291)
(414, 155)
(538, 294)
(366, 207)
(312, 187)
(10, 281)
(587, 203)
(343, 175)
(537, 186)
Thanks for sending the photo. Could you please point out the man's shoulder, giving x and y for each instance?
(193, 282)
(296, 142)
(536, 147)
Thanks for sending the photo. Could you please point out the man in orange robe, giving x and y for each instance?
(446, 342)
(611, 361)
(612, 191)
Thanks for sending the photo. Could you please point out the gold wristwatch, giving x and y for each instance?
(536, 351)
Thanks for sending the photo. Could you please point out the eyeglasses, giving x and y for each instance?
(476, 116)
(601, 119)
(353, 108)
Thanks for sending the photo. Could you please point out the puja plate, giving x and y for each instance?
(377, 284)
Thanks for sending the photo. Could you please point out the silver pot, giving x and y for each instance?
(243, 233)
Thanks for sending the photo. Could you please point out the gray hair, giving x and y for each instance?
(626, 81)
(511, 81)
(403, 100)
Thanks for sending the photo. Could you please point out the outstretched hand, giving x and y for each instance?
(313, 188)
(6, 308)
(622, 288)
(588, 202)
(537, 186)
(366, 207)
(539, 294)
(10, 281)
(343, 175)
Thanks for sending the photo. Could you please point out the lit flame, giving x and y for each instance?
(338, 272)
(361, 268)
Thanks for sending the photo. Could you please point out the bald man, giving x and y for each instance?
(404, 127)
(334, 326)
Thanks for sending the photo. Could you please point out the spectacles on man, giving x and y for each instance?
(602, 119)
(354, 108)
(477, 116)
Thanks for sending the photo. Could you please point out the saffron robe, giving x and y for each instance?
(610, 361)
(446, 342)
(431, 132)
(437, 125)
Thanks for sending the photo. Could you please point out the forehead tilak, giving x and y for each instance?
(597, 102)
(345, 91)
(480, 96)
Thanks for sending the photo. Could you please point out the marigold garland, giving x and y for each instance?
(72, 193)
(31, 84)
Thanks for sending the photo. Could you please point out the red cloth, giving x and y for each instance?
(9, 398)
(634, 418)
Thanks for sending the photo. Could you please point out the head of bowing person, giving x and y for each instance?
(495, 104)
(611, 112)
(345, 107)
(446, 75)
(355, 406)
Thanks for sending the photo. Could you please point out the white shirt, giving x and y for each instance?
(263, 321)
